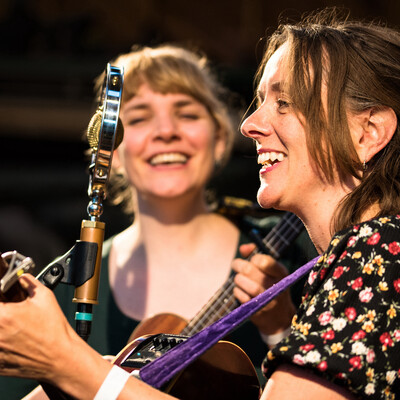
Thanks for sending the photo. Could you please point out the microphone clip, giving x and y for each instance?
(75, 267)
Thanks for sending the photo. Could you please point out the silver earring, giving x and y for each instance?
(365, 166)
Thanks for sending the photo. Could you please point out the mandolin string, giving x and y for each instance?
(281, 241)
(228, 304)
(214, 309)
(224, 301)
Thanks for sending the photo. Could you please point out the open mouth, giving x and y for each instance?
(168, 158)
(270, 158)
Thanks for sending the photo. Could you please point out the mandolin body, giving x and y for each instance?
(159, 323)
(223, 372)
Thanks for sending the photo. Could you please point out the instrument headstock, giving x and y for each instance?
(13, 265)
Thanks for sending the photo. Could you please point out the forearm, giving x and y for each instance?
(80, 372)
(293, 382)
(83, 373)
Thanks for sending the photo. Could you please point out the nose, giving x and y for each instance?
(256, 124)
(166, 128)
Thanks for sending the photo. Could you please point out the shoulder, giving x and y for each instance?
(347, 321)
(376, 234)
(370, 231)
(122, 241)
(365, 251)
(219, 231)
(107, 247)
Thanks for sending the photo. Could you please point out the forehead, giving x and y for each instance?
(145, 95)
(274, 72)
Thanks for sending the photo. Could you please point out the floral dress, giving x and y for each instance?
(347, 328)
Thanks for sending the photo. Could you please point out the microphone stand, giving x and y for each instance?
(104, 134)
(80, 266)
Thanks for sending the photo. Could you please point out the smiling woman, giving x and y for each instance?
(169, 90)
(329, 99)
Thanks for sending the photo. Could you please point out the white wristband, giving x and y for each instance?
(113, 384)
(272, 340)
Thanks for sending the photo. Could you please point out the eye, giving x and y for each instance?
(283, 105)
(191, 116)
(135, 118)
(134, 121)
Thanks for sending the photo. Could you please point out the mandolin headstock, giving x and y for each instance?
(13, 265)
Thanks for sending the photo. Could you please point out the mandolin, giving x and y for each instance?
(223, 301)
(223, 372)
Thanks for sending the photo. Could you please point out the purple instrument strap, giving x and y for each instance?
(164, 368)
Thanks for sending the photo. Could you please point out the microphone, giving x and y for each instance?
(104, 134)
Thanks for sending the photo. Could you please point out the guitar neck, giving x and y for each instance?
(223, 301)
(282, 234)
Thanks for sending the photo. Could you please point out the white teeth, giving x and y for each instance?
(168, 158)
(268, 158)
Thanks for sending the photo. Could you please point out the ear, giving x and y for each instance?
(220, 147)
(116, 161)
(374, 130)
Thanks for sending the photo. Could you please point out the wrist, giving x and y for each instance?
(83, 374)
(112, 384)
(274, 339)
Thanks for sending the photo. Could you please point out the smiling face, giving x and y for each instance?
(290, 179)
(170, 143)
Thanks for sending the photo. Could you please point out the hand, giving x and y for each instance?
(254, 277)
(37, 342)
(30, 331)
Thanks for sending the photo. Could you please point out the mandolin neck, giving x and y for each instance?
(223, 301)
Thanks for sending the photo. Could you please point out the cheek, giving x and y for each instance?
(128, 152)
(204, 138)
(133, 142)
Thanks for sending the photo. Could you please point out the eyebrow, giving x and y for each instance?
(139, 106)
(145, 105)
(183, 103)
(276, 87)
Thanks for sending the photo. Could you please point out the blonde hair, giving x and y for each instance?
(172, 69)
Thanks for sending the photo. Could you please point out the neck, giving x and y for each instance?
(155, 215)
(317, 216)
(319, 229)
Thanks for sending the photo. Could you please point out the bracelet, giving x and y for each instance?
(113, 384)
(272, 340)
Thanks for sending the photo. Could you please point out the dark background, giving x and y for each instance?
(50, 53)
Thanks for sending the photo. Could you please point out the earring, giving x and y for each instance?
(365, 166)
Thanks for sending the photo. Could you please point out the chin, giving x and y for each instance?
(264, 197)
(269, 199)
(168, 194)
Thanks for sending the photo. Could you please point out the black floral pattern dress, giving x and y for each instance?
(347, 328)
